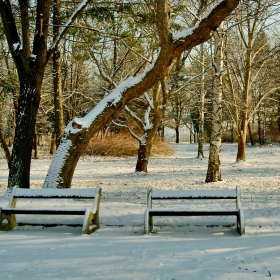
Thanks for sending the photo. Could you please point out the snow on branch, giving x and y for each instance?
(129, 129)
(101, 71)
(110, 100)
(181, 35)
(133, 115)
(150, 101)
(76, 13)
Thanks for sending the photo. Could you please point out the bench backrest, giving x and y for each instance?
(194, 194)
(68, 193)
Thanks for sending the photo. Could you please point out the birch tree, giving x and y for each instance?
(200, 152)
(214, 162)
(79, 131)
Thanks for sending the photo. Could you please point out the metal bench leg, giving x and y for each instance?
(148, 222)
(11, 221)
(241, 222)
(89, 218)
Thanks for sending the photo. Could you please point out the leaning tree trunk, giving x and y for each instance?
(214, 162)
(79, 131)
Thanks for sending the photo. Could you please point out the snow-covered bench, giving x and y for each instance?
(197, 195)
(91, 215)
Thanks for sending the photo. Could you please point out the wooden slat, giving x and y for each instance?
(53, 211)
(56, 193)
(194, 194)
(193, 213)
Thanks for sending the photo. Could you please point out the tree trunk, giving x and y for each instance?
(241, 140)
(57, 80)
(250, 135)
(264, 127)
(79, 131)
(162, 133)
(5, 146)
(214, 162)
(52, 147)
(29, 100)
(177, 135)
(35, 143)
(146, 141)
(144, 151)
(259, 128)
(200, 151)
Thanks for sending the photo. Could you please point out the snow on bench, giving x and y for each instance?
(196, 195)
(91, 215)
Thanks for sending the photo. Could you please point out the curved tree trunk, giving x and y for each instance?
(78, 132)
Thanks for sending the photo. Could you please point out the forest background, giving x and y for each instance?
(208, 66)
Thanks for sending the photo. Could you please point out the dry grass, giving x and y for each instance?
(124, 145)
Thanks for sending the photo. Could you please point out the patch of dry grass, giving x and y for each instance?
(124, 145)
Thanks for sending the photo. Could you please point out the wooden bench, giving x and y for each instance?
(91, 215)
(195, 195)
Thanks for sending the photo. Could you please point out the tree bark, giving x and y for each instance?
(251, 135)
(5, 146)
(144, 150)
(52, 146)
(200, 152)
(79, 131)
(29, 100)
(214, 162)
(177, 135)
(57, 79)
(35, 143)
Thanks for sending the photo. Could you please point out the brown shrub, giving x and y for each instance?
(124, 145)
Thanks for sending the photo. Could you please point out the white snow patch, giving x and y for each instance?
(180, 247)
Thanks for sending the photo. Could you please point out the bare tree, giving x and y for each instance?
(30, 57)
(79, 131)
(214, 162)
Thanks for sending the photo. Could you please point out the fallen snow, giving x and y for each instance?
(179, 248)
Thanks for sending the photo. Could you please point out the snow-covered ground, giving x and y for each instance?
(179, 248)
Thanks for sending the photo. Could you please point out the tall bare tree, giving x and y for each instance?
(214, 162)
(30, 52)
(79, 131)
